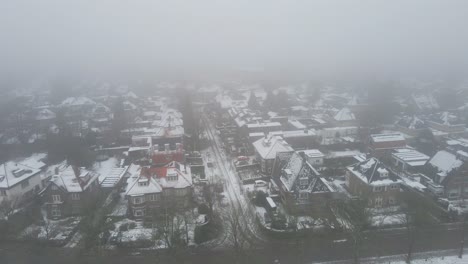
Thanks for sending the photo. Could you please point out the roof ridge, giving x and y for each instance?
(375, 168)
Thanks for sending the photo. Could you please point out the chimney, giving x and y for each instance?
(76, 171)
(302, 154)
(166, 147)
(56, 170)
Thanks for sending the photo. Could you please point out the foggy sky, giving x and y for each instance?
(425, 37)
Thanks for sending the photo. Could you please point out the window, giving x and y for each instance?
(144, 183)
(139, 212)
(172, 177)
(378, 201)
(24, 184)
(303, 195)
(394, 187)
(304, 181)
(153, 197)
(55, 211)
(138, 200)
(3, 193)
(54, 187)
(75, 196)
(391, 201)
(378, 188)
(56, 198)
(180, 192)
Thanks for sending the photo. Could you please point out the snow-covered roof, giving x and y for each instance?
(77, 101)
(411, 157)
(344, 115)
(313, 153)
(159, 178)
(411, 122)
(74, 180)
(45, 114)
(267, 147)
(390, 137)
(445, 162)
(14, 172)
(266, 124)
(373, 172)
(296, 124)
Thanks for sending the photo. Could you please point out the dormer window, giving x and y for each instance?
(143, 182)
(172, 177)
(383, 172)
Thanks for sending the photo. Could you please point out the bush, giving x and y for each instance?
(203, 209)
(132, 225)
(260, 199)
(123, 227)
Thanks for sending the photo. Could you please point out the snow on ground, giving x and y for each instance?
(386, 220)
(459, 206)
(439, 260)
(53, 230)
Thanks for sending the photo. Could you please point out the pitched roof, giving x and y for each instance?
(445, 162)
(344, 115)
(267, 147)
(69, 181)
(374, 172)
(14, 172)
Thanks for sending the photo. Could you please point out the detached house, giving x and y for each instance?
(299, 182)
(448, 176)
(157, 188)
(266, 149)
(372, 180)
(70, 191)
(20, 180)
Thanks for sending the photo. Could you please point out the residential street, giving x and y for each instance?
(314, 249)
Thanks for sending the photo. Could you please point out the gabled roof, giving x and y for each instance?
(74, 180)
(157, 178)
(297, 167)
(372, 171)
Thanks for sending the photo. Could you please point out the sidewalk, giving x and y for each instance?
(433, 257)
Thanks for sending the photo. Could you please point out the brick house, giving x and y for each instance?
(300, 183)
(156, 188)
(382, 145)
(370, 179)
(70, 191)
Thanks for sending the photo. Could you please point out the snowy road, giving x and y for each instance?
(233, 186)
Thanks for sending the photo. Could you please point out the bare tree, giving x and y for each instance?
(236, 234)
(7, 207)
(354, 216)
(415, 214)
